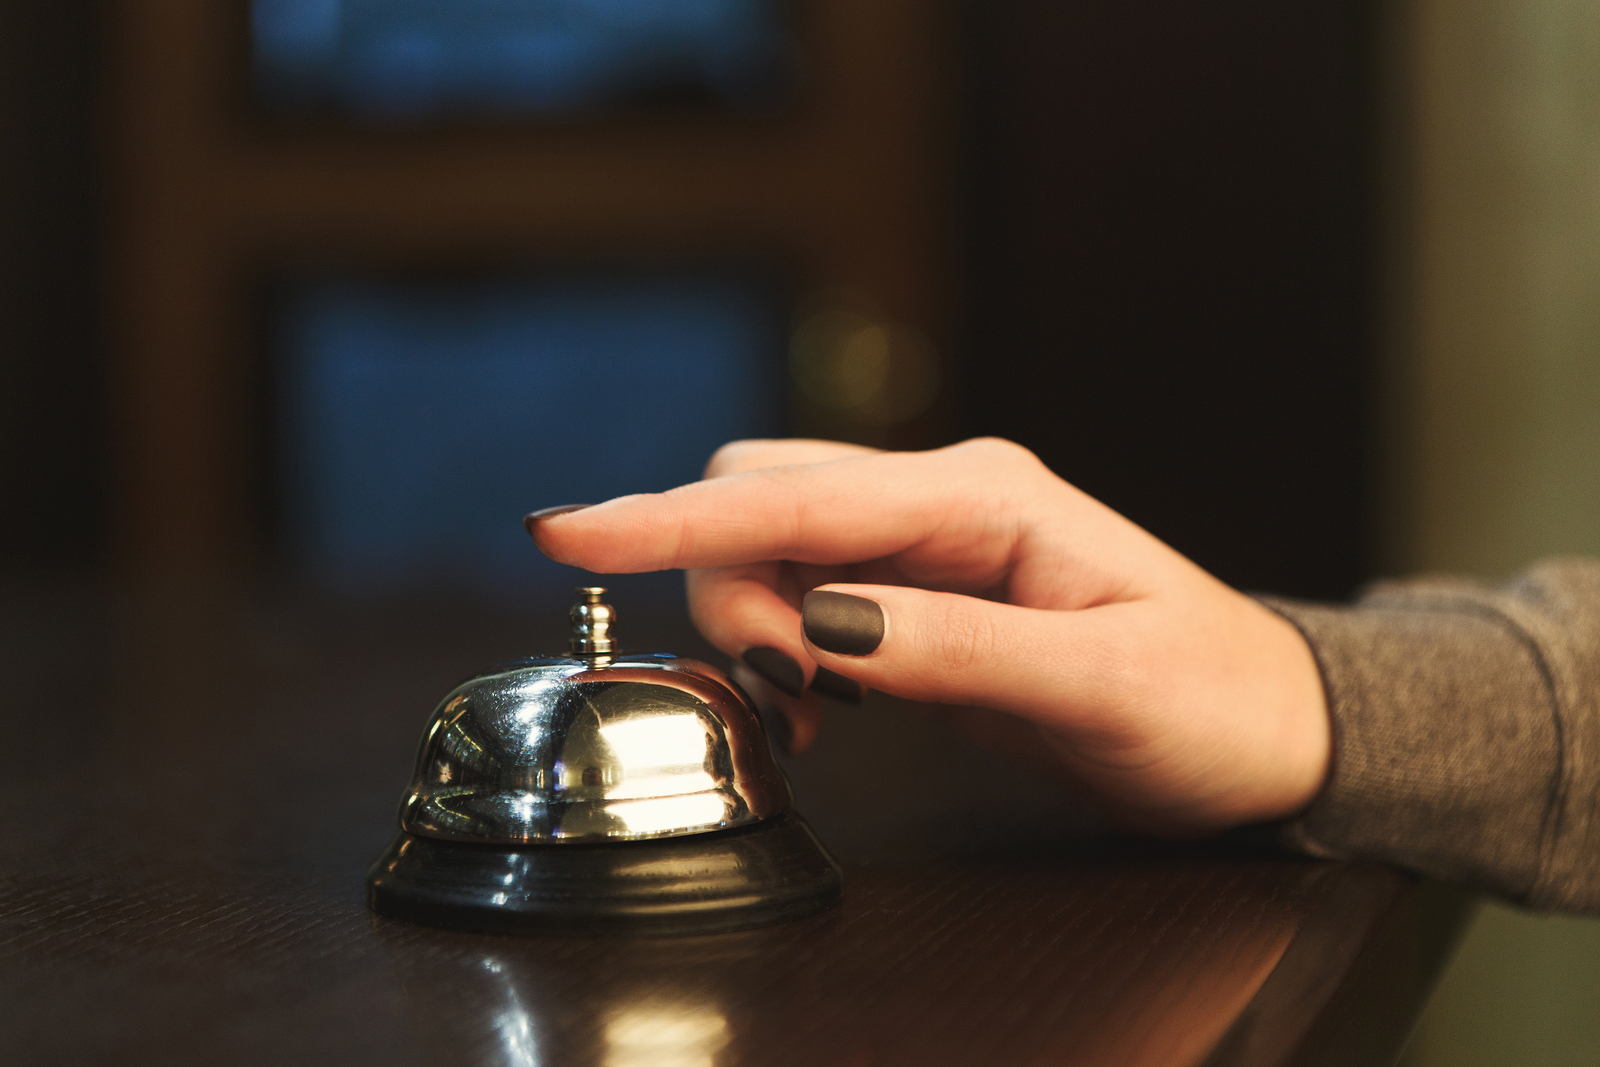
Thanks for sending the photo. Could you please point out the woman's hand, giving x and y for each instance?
(971, 576)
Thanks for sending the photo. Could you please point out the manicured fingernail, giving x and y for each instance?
(776, 668)
(544, 513)
(836, 686)
(778, 728)
(839, 622)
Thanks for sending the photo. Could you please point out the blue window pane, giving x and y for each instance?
(405, 59)
(420, 423)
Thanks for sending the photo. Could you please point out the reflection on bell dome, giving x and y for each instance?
(571, 750)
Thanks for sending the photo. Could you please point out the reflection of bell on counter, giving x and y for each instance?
(599, 792)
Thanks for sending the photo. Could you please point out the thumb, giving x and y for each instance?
(953, 649)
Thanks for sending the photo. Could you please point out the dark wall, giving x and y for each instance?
(51, 414)
(1170, 270)
(1172, 256)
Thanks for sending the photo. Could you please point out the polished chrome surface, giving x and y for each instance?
(592, 747)
(592, 620)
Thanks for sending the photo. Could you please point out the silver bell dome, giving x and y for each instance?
(599, 745)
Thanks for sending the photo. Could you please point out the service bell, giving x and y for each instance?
(599, 792)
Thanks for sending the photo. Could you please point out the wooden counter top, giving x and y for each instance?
(196, 786)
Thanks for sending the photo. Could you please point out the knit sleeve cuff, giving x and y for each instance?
(1446, 743)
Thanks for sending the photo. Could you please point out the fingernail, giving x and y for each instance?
(544, 513)
(779, 730)
(776, 668)
(837, 686)
(839, 622)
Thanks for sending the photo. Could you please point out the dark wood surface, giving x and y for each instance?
(195, 787)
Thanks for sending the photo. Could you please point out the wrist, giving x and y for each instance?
(1298, 725)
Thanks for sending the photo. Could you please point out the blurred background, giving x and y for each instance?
(323, 295)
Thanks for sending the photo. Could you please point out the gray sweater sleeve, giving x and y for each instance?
(1466, 731)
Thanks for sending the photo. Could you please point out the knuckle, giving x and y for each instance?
(998, 451)
(1006, 472)
(1014, 454)
(726, 459)
(963, 639)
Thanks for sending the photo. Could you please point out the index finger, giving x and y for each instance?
(854, 508)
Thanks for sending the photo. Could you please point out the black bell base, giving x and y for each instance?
(705, 883)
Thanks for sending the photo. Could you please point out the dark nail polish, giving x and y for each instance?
(544, 513)
(837, 686)
(777, 724)
(776, 668)
(839, 622)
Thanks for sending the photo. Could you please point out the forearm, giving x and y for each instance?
(1466, 731)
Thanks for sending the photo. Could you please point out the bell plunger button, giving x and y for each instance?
(592, 620)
